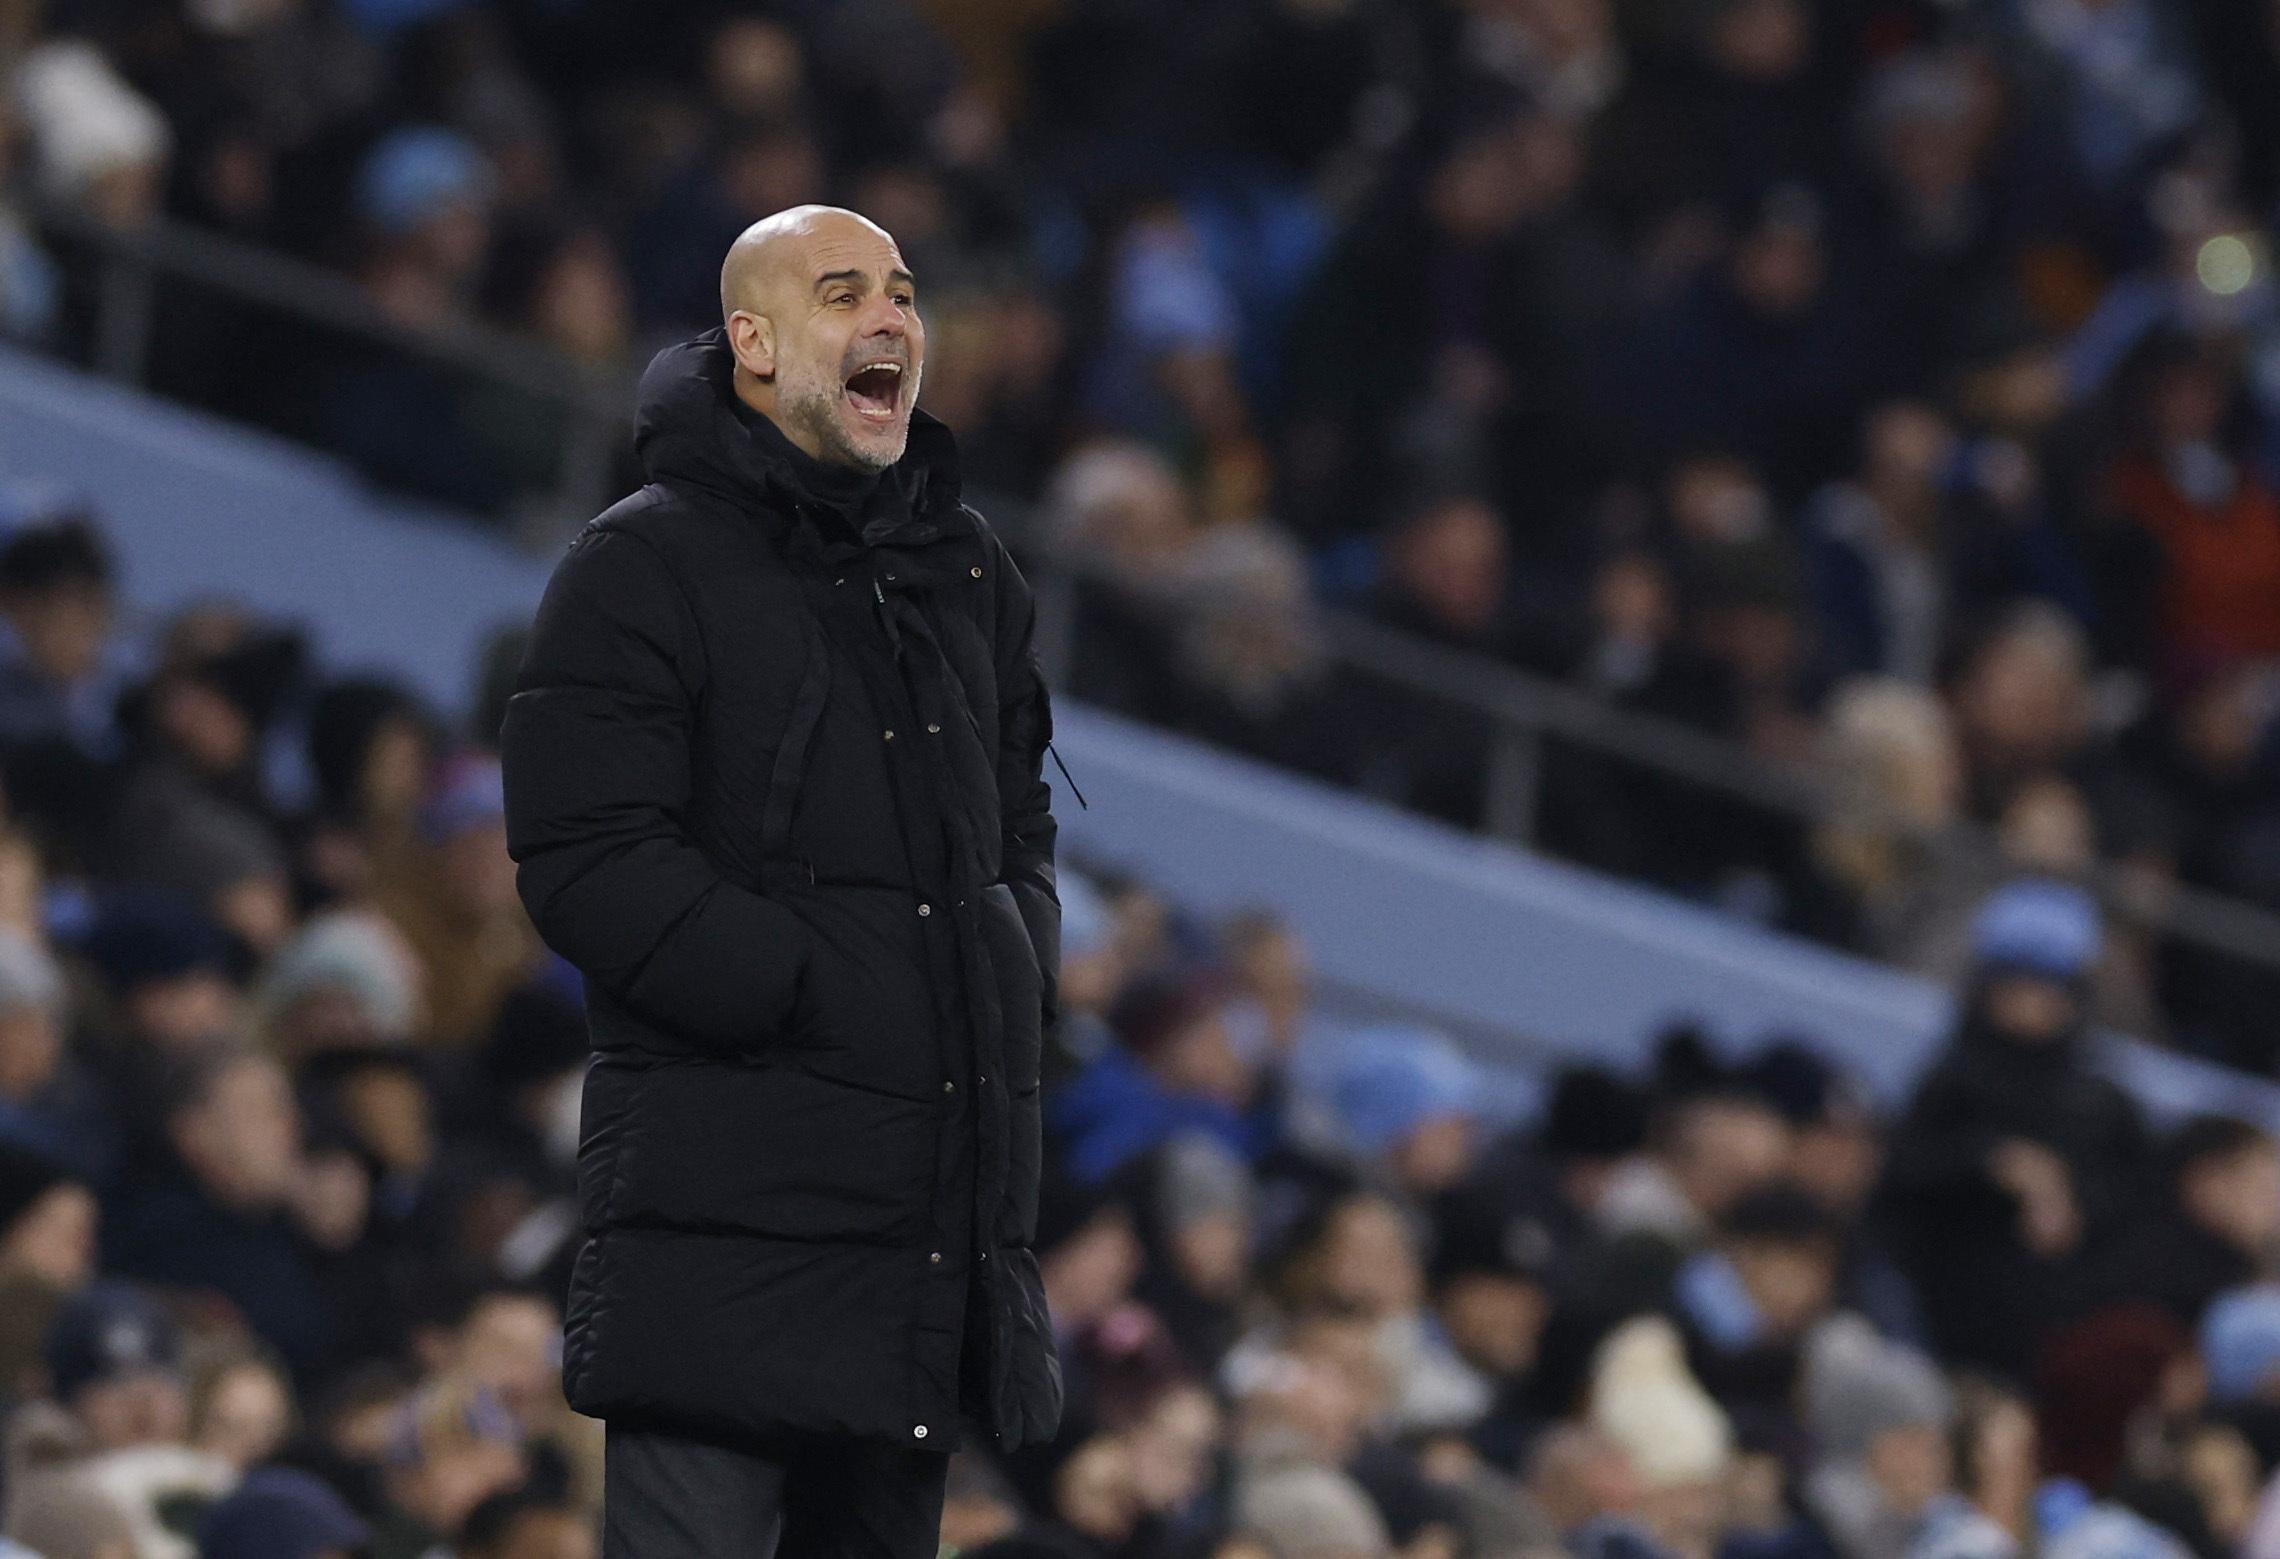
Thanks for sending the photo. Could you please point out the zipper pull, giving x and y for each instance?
(877, 594)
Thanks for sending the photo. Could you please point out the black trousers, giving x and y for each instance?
(668, 1497)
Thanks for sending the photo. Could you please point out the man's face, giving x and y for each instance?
(141, 1407)
(64, 628)
(2237, 1196)
(848, 345)
(243, 1140)
(1792, 1285)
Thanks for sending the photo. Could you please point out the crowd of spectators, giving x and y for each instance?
(288, 1111)
(1891, 387)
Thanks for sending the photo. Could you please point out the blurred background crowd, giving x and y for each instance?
(1889, 388)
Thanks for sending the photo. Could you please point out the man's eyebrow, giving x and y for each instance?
(894, 276)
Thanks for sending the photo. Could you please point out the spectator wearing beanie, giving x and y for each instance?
(1409, 1101)
(1879, 1414)
(1644, 1398)
(348, 981)
(1837, 1152)
(1491, 1277)
(114, 1361)
(2097, 1381)
(2015, 1157)
(455, 902)
(282, 1513)
(1198, 1228)
(1748, 1302)
(1308, 1512)
(166, 967)
(2240, 1346)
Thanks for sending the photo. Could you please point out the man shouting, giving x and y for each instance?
(773, 771)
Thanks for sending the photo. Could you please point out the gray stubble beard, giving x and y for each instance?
(817, 410)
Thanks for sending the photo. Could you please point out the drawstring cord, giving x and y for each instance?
(1065, 774)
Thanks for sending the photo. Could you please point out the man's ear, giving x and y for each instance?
(753, 339)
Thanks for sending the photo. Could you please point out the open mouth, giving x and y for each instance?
(874, 389)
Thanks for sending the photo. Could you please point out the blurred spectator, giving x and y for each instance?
(280, 1513)
(48, 1220)
(523, 1525)
(1886, 392)
(454, 900)
(1408, 1100)
(98, 143)
(1175, 1068)
(1678, 1440)
(113, 1360)
(2211, 522)
(451, 1447)
(2014, 1158)
(222, 1223)
(61, 671)
(2216, 1228)
(1893, 763)
(348, 979)
(1880, 1415)
(241, 1406)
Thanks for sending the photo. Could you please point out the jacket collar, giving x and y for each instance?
(691, 429)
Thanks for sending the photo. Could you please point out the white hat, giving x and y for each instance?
(1645, 1399)
(85, 120)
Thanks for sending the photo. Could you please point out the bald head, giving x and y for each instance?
(822, 314)
(776, 248)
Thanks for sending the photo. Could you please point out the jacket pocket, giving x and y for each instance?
(863, 1015)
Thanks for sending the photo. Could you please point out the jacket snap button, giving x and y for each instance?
(977, 573)
(920, 1431)
(934, 730)
(926, 909)
(985, 1255)
(949, 1086)
(934, 1256)
(981, 1079)
(890, 736)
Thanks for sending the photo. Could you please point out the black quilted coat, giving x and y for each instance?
(774, 785)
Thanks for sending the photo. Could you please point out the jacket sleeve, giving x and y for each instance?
(596, 752)
(1025, 801)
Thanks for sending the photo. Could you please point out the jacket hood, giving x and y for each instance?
(688, 429)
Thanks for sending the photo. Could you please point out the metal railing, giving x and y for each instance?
(1525, 712)
(137, 263)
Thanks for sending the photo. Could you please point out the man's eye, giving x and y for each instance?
(904, 300)
(842, 297)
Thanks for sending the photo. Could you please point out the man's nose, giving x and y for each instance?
(887, 318)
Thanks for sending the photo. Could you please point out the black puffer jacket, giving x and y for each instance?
(776, 788)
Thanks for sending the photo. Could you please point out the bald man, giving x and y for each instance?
(774, 785)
